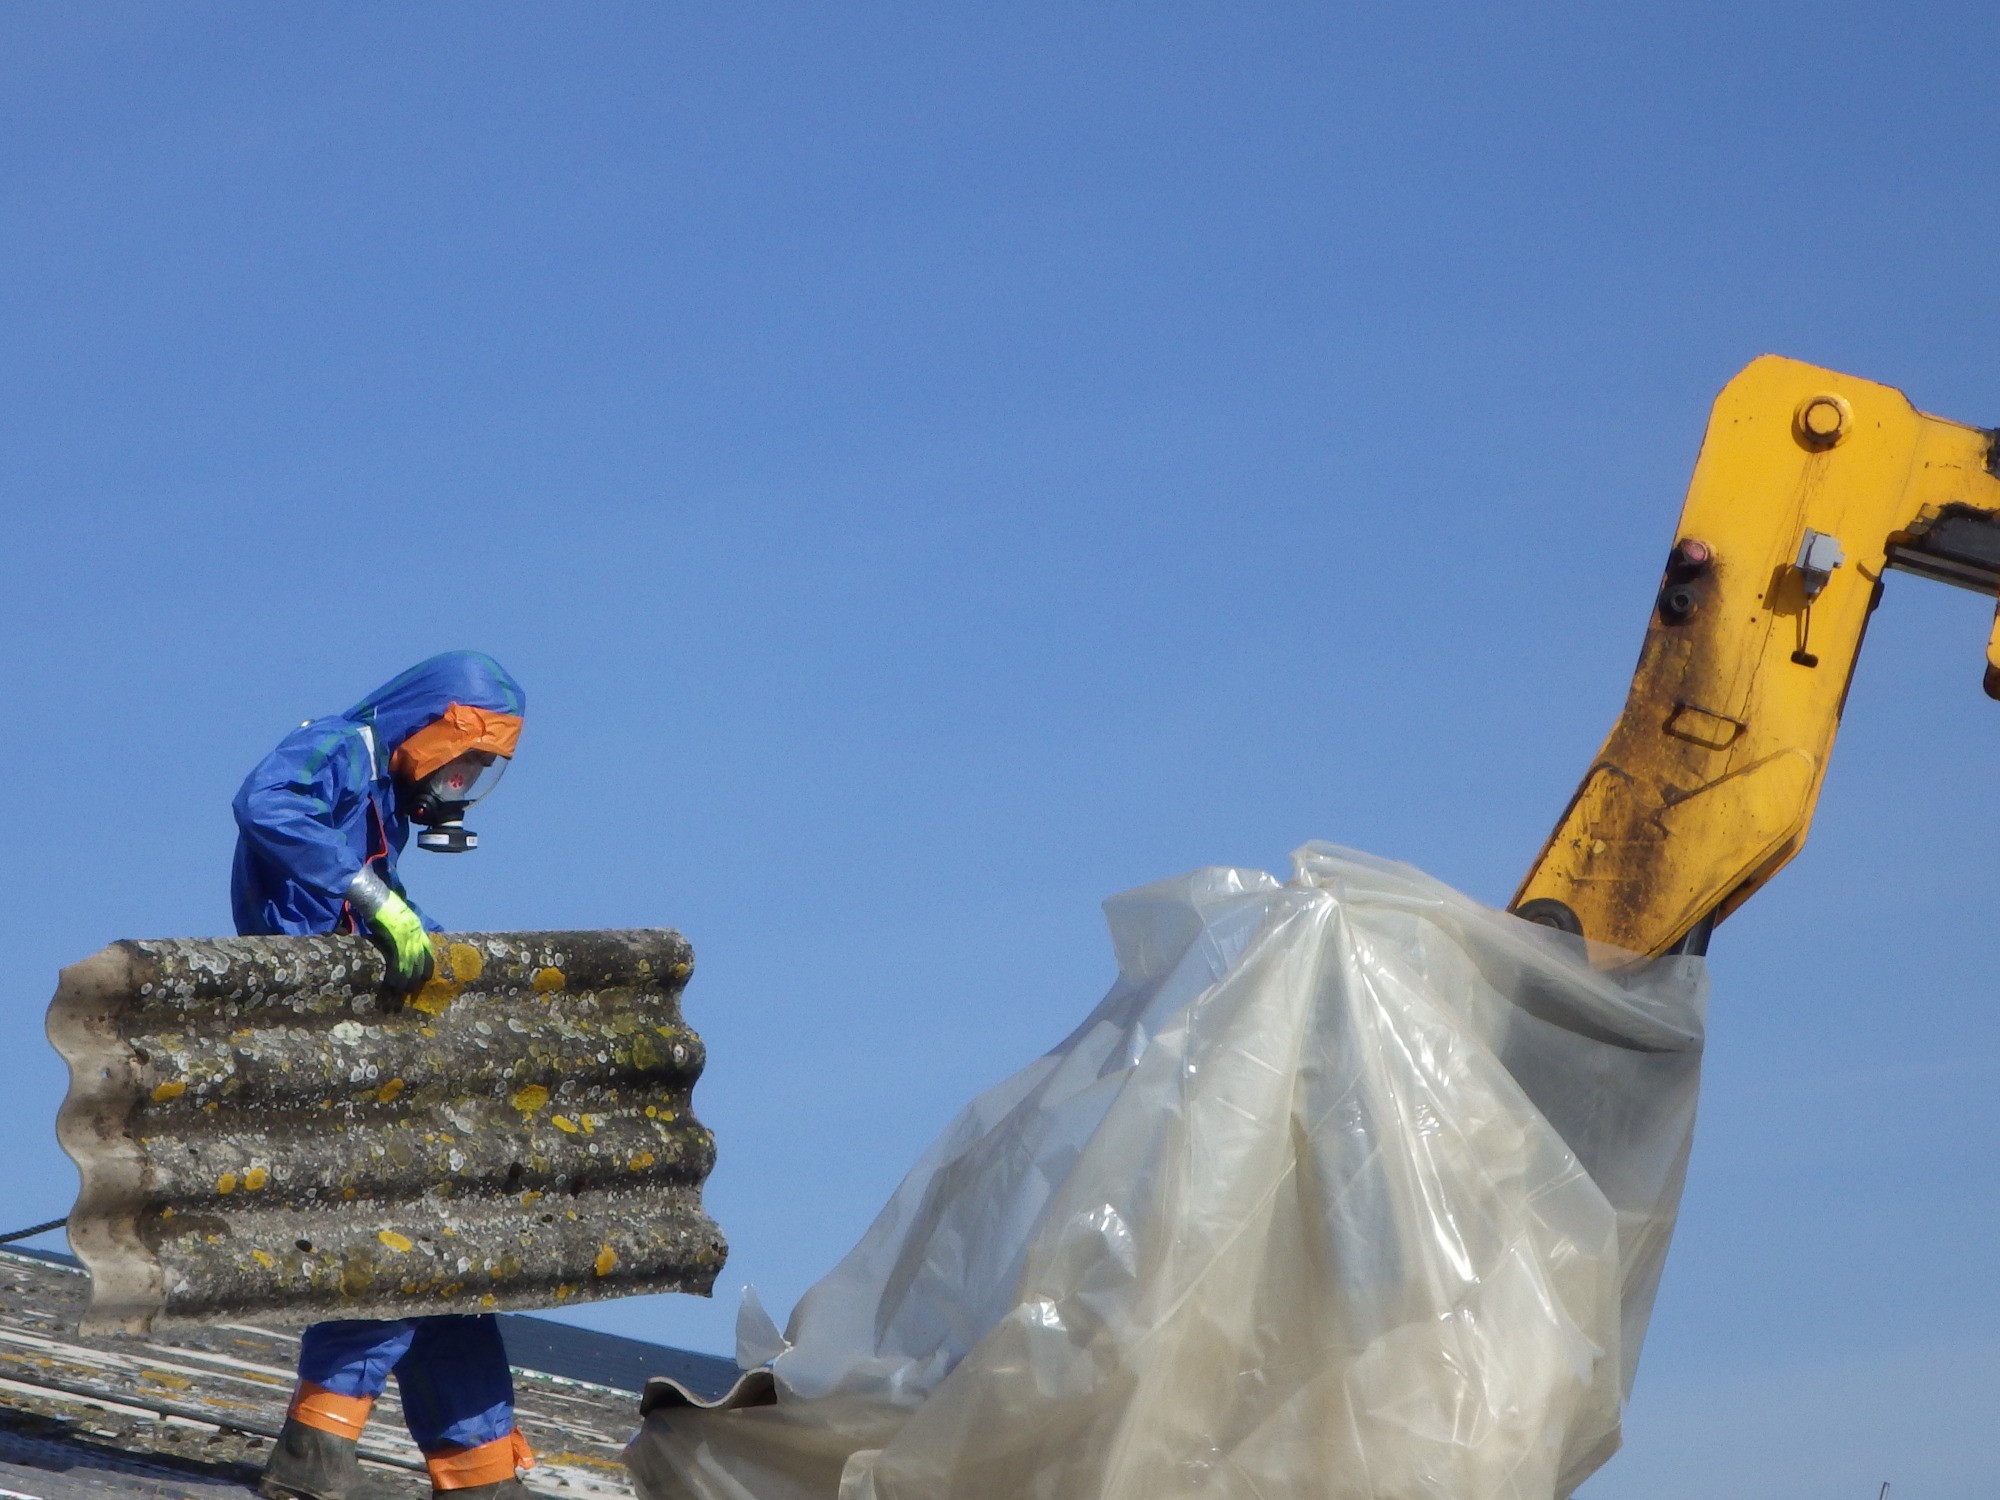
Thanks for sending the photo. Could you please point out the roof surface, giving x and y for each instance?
(189, 1413)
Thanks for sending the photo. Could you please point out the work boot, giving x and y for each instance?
(504, 1489)
(308, 1464)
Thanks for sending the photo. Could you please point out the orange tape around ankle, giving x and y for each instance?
(343, 1416)
(489, 1463)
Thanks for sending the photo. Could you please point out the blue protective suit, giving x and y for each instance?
(313, 812)
(323, 803)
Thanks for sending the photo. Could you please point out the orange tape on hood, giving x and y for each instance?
(461, 728)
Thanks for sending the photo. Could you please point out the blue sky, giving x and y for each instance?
(936, 466)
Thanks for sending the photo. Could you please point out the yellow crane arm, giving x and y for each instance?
(1809, 487)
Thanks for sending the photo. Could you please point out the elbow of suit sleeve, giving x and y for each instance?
(291, 825)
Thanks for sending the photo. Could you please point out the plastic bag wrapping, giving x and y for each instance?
(1351, 1187)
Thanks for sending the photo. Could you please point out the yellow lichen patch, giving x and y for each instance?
(548, 979)
(530, 1197)
(531, 1098)
(489, 1300)
(397, 1242)
(226, 1183)
(589, 1123)
(640, 1162)
(606, 1259)
(161, 1377)
(651, 1111)
(172, 1089)
(564, 1123)
(587, 1460)
(436, 994)
(357, 1275)
(263, 1258)
(465, 960)
(255, 1178)
(389, 1090)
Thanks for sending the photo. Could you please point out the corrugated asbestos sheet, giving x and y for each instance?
(264, 1132)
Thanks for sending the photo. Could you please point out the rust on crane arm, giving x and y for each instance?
(263, 1131)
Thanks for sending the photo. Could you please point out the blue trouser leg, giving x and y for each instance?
(354, 1357)
(456, 1388)
(451, 1371)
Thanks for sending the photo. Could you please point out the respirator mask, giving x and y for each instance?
(438, 801)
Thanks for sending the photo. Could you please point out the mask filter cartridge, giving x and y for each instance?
(449, 836)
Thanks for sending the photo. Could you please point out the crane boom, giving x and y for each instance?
(1810, 486)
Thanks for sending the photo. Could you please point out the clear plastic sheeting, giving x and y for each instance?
(1351, 1187)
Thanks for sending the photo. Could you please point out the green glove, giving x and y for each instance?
(398, 929)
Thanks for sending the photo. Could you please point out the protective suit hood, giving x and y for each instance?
(413, 699)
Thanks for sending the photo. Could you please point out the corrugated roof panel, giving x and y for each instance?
(263, 1131)
(196, 1407)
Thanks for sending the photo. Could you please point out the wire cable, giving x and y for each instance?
(28, 1234)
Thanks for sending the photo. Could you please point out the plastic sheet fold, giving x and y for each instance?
(1350, 1187)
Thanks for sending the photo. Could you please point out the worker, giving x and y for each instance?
(320, 823)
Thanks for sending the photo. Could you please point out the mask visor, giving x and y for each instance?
(457, 784)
